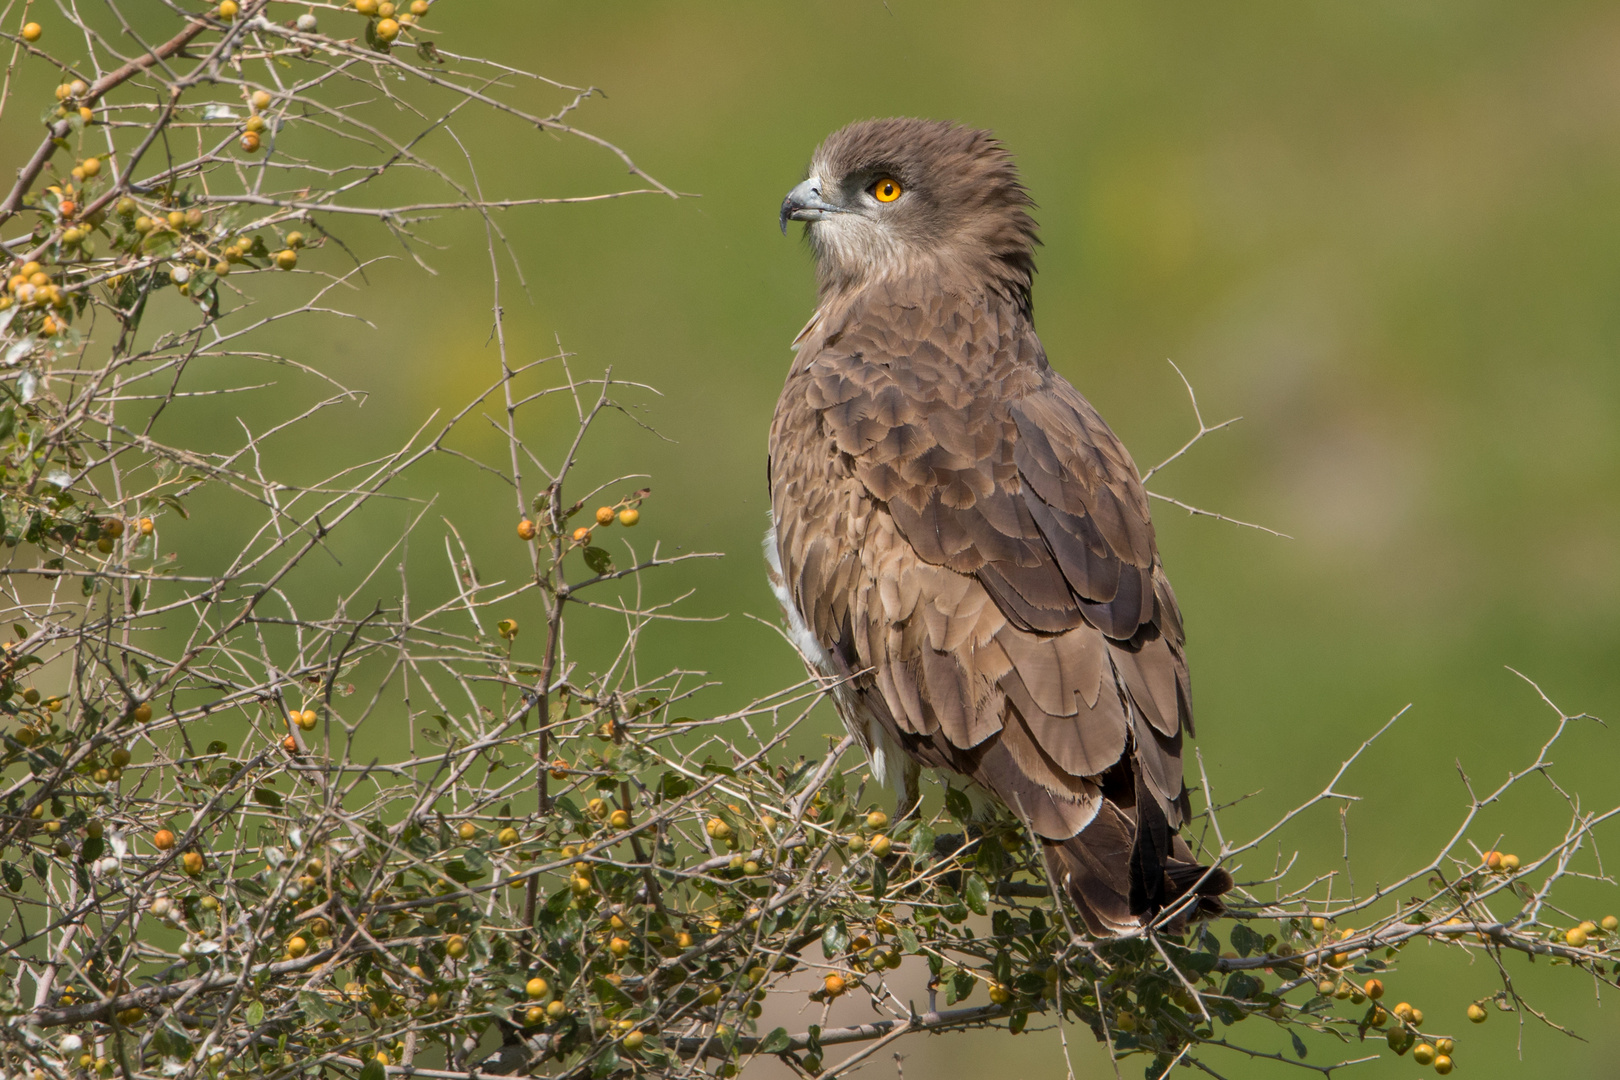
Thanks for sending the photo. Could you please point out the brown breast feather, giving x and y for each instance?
(957, 522)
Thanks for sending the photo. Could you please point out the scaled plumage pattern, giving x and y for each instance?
(961, 540)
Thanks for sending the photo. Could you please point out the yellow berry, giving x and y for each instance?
(419, 7)
(387, 29)
(1423, 1054)
(619, 819)
(261, 99)
(90, 166)
(1444, 1046)
(468, 830)
(556, 1008)
(999, 995)
(1576, 937)
(148, 526)
(633, 1040)
(1510, 863)
(455, 946)
(227, 9)
(32, 31)
(507, 836)
(881, 845)
(287, 258)
(297, 947)
(1443, 1064)
(1477, 1013)
(1318, 924)
(307, 720)
(537, 989)
(366, 7)
(193, 862)
(629, 516)
(877, 819)
(619, 947)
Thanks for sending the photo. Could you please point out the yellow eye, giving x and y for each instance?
(886, 189)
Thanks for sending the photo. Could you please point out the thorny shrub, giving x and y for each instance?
(568, 869)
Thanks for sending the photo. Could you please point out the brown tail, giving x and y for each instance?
(1118, 875)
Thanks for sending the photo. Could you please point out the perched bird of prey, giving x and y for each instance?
(960, 539)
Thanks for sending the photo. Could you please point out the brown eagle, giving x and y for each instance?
(960, 539)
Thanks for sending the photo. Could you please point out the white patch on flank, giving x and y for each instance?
(889, 761)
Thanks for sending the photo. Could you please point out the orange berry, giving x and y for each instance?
(1374, 989)
(559, 769)
(163, 839)
(527, 530)
(32, 31)
(834, 985)
(148, 526)
(250, 142)
(290, 745)
(604, 515)
(581, 535)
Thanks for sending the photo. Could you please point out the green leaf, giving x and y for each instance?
(976, 894)
(908, 938)
(961, 986)
(266, 797)
(922, 842)
(958, 804)
(1242, 987)
(598, 560)
(373, 1070)
(1246, 941)
(607, 1063)
(463, 873)
(255, 1014)
(835, 938)
(880, 881)
(1299, 1044)
(776, 1042)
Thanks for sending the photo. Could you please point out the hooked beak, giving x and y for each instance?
(804, 203)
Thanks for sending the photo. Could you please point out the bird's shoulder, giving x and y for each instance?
(945, 409)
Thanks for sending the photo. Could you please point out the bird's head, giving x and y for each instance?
(915, 198)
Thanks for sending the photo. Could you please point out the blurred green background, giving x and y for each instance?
(1386, 234)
